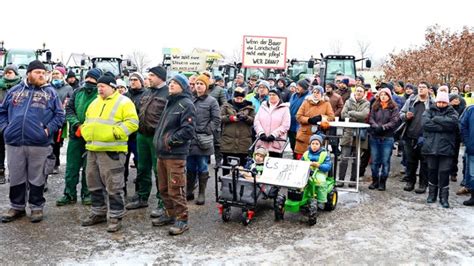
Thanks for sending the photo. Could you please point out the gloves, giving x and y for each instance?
(270, 138)
(315, 119)
(378, 130)
(242, 117)
(78, 132)
(420, 141)
(233, 118)
(263, 137)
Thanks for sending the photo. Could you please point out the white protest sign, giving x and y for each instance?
(285, 172)
(188, 62)
(264, 52)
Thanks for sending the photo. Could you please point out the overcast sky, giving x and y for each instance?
(111, 28)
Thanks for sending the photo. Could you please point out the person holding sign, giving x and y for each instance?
(312, 111)
(272, 122)
(320, 166)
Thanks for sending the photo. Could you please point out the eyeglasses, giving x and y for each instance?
(133, 79)
(192, 84)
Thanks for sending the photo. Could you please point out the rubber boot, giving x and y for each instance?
(443, 197)
(190, 185)
(383, 181)
(203, 177)
(375, 183)
(470, 202)
(432, 193)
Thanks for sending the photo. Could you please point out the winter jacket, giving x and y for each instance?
(467, 129)
(109, 122)
(273, 121)
(462, 103)
(345, 93)
(296, 101)
(285, 94)
(236, 133)
(311, 156)
(208, 120)
(151, 107)
(356, 111)
(399, 100)
(136, 96)
(176, 128)
(64, 92)
(257, 101)
(77, 106)
(27, 111)
(410, 106)
(6, 84)
(440, 129)
(308, 110)
(218, 93)
(336, 103)
(388, 119)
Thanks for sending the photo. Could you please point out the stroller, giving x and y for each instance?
(236, 191)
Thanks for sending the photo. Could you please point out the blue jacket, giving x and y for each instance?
(295, 103)
(400, 101)
(314, 157)
(256, 101)
(27, 111)
(467, 129)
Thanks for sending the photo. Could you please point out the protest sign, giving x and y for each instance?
(264, 52)
(188, 62)
(285, 172)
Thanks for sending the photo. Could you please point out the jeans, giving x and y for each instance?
(380, 149)
(197, 164)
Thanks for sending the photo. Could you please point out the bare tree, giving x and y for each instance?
(336, 47)
(140, 60)
(363, 46)
(236, 56)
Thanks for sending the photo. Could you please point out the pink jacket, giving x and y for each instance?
(275, 122)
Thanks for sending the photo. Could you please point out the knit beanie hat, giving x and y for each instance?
(293, 84)
(264, 83)
(276, 91)
(345, 81)
(204, 79)
(442, 97)
(262, 151)
(303, 84)
(159, 72)
(181, 80)
(239, 92)
(121, 83)
(320, 88)
(70, 74)
(361, 78)
(36, 64)
(12, 67)
(94, 73)
(138, 76)
(61, 69)
(387, 91)
(316, 137)
(108, 80)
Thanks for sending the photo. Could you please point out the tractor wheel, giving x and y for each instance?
(279, 207)
(332, 201)
(226, 214)
(312, 212)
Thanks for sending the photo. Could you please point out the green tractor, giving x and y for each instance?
(22, 57)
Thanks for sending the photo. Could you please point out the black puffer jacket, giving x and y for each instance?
(176, 127)
(208, 119)
(440, 128)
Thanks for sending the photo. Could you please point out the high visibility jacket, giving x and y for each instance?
(109, 122)
(468, 97)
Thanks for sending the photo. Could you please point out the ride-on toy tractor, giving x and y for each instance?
(305, 200)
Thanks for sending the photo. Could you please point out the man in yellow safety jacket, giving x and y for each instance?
(110, 119)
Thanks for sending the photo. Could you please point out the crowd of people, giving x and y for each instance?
(169, 128)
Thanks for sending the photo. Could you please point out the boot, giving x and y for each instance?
(383, 180)
(203, 177)
(470, 202)
(12, 215)
(409, 186)
(2, 176)
(375, 183)
(432, 193)
(443, 197)
(114, 225)
(36, 216)
(421, 188)
(190, 185)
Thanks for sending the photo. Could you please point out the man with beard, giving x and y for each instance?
(76, 115)
(9, 79)
(30, 115)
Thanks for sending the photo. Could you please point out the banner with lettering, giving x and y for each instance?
(188, 62)
(264, 52)
(285, 172)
